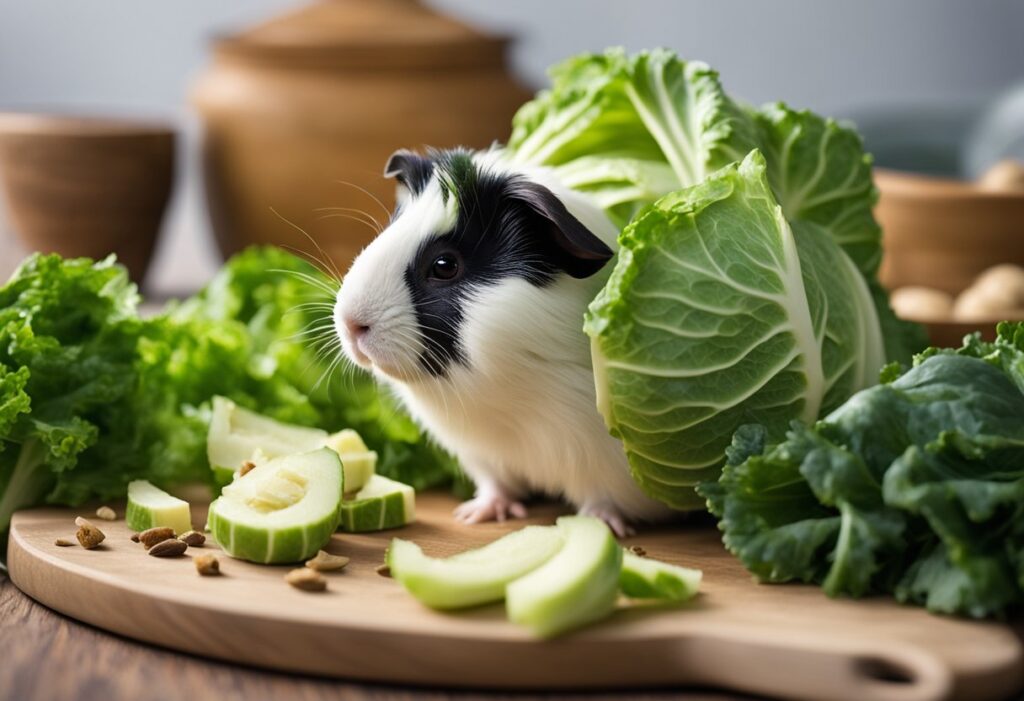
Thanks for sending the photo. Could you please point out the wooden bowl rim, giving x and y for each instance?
(919, 186)
(82, 125)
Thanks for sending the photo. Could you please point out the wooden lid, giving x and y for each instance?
(364, 33)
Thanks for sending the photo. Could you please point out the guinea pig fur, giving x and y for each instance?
(470, 305)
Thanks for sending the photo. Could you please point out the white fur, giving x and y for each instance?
(522, 416)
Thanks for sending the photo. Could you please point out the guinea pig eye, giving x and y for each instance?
(444, 267)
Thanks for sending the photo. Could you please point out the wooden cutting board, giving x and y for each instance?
(780, 641)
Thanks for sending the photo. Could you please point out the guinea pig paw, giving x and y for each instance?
(610, 515)
(489, 507)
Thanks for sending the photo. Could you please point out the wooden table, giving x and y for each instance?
(45, 656)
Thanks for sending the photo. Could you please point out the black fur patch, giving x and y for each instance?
(506, 227)
(410, 169)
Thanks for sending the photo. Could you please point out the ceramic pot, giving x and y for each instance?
(87, 186)
(302, 112)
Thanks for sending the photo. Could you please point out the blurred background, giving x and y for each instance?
(919, 71)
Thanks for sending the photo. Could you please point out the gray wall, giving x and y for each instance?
(133, 56)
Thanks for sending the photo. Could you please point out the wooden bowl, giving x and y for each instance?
(943, 233)
(87, 186)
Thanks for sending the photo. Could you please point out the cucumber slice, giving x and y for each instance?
(359, 462)
(236, 433)
(644, 578)
(476, 576)
(283, 510)
(383, 503)
(149, 507)
(577, 586)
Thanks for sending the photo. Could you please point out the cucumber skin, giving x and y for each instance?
(589, 599)
(665, 582)
(376, 514)
(139, 518)
(289, 544)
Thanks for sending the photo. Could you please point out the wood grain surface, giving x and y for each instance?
(785, 641)
(46, 656)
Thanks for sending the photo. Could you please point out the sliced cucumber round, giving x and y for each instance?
(577, 586)
(476, 576)
(359, 462)
(283, 510)
(236, 433)
(644, 578)
(383, 503)
(149, 507)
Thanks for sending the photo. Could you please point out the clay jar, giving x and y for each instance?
(302, 112)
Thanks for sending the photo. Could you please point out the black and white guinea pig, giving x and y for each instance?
(470, 304)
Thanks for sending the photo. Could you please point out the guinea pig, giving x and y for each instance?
(470, 305)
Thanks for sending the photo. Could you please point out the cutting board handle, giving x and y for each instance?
(817, 669)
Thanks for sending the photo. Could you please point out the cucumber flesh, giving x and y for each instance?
(644, 578)
(283, 510)
(150, 506)
(383, 503)
(359, 462)
(476, 576)
(577, 586)
(236, 434)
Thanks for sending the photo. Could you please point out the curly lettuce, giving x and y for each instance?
(92, 396)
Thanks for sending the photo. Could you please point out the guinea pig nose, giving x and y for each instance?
(356, 327)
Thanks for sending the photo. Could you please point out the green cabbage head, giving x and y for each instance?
(745, 288)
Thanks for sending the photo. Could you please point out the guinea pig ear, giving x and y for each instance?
(584, 253)
(411, 170)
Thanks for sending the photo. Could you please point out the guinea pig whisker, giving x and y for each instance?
(387, 212)
(329, 269)
(375, 228)
(362, 213)
(322, 285)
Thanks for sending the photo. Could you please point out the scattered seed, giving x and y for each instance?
(63, 542)
(89, 536)
(206, 565)
(151, 537)
(168, 548)
(638, 551)
(246, 466)
(306, 579)
(106, 513)
(193, 539)
(326, 562)
(384, 570)
(135, 537)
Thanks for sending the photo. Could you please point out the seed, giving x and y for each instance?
(246, 466)
(168, 548)
(326, 562)
(106, 513)
(88, 535)
(384, 570)
(151, 537)
(306, 579)
(206, 565)
(638, 551)
(62, 542)
(193, 539)
(135, 537)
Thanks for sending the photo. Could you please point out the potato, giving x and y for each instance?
(914, 302)
(1004, 176)
(996, 293)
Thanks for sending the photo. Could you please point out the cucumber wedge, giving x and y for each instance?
(644, 578)
(476, 576)
(283, 510)
(577, 586)
(359, 462)
(383, 503)
(149, 507)
(236, 433)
